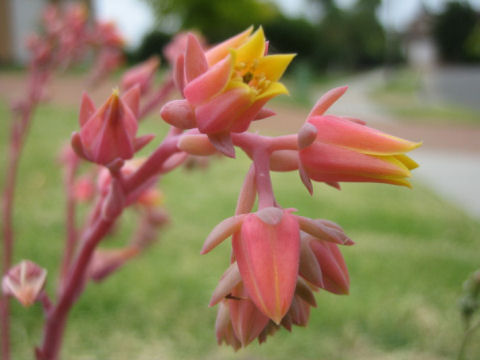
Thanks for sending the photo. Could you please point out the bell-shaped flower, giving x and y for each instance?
(109, 133)
(267, 250)
(227, 86)
(345, 150)
(24, 281)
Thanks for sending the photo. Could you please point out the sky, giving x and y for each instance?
(134, 17)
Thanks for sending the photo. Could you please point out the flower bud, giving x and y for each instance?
(24, 281)
(267, 250)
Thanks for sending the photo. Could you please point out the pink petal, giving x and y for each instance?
(268, 260)
(195, 60)
(218, 114)
(209, 83)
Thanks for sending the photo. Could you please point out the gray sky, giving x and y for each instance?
(135, 19)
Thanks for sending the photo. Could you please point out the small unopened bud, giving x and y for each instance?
(106, 261)
(24, 281)
(306, 135)
(284, 160)
(179, 114)
(196, 145)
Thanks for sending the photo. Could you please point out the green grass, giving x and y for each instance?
(413, 250)
(402, 96)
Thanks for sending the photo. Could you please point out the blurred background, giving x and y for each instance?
(413, 70)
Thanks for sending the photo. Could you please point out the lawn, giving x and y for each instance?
(413, 251)
(404, 96)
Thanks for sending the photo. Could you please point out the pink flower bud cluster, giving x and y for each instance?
(279, 259)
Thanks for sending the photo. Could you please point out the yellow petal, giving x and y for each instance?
(407, 161)
(409, 145)
(274, 66)
(274, 89)
(254, 48)
(402, 169)
(218, 52)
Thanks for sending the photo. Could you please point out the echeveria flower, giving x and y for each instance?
(227, 86)
(343, 149)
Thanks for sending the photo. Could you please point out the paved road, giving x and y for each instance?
(455, 85)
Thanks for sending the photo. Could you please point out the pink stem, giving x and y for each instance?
(159, 97)
(261, 160)
(71, 230)
(58, 314)
(18, 134)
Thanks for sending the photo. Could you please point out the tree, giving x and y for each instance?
(452, 28)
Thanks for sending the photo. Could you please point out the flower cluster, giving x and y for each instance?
(279, 258)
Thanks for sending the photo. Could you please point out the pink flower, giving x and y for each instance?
(109, 133)
(267, 252)
(24, 281)
(345, 150)
(226, 87)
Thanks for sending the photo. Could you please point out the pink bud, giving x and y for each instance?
(229, 280)
(247, 321)
(106, 261)
(299, 311)
(284, 160)
(24, 281)
(196, 144)
(178, 113)
(334, 269)
(344, 150)
(110, 132)
(267, 254)
(223, 328)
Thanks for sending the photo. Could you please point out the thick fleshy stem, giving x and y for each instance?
(153, 165)
(260, 149)
(157, 98)
(57, 316)
(261, 160)
(58, 313)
